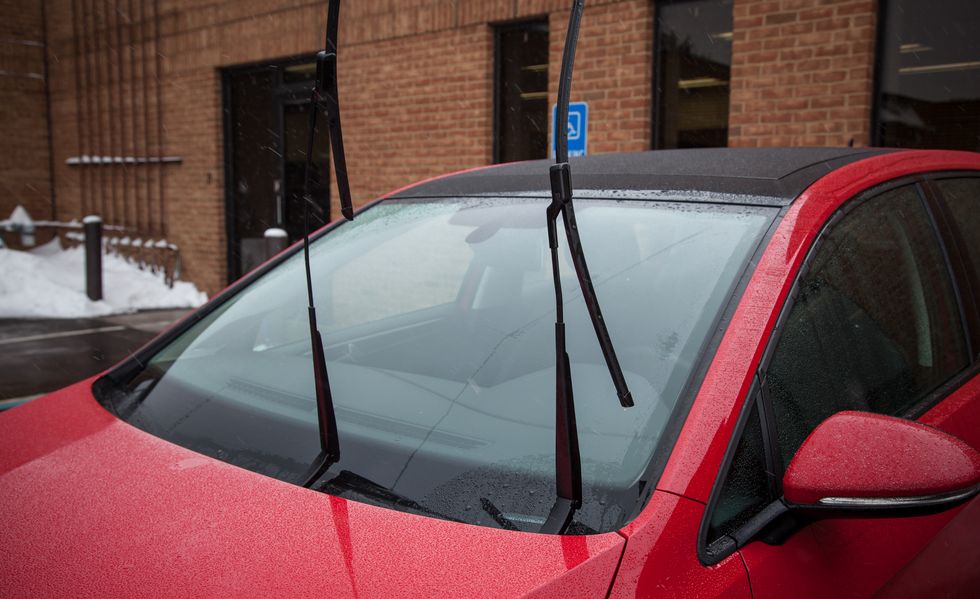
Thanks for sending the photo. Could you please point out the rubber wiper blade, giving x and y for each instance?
(494, 512)
(330, 100)
(561, 195)
(351, 481)
(324, 95)
(568, 461)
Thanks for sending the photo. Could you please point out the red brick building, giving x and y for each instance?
(185, 119)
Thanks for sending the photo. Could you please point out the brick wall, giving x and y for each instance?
(802, 72)
(613, 71)
(144, 79)
(416, 86)
(25, 176)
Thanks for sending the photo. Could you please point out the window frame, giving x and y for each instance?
(539, 22)
(877, 74)
(883, 9)
(958, 254)
(657, 81)
(711, 552)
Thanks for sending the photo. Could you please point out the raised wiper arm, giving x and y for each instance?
(568, 461)
(326, 82)
(561, 203)
(329, 98)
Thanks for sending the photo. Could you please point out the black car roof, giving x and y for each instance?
(754, 175)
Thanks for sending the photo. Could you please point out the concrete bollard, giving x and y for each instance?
(93, 257)
(276, 241)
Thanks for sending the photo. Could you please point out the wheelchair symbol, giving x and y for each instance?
(574, 125)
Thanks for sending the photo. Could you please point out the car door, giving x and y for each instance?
(876, 322)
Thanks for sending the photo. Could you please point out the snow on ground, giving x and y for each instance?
(49, 282)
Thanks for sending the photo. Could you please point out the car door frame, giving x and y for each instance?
(965, 289)
(700, 447)
(709, 552)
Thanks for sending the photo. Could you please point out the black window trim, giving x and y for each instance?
(943, 231)
(712, 552)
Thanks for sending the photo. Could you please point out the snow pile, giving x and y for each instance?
(49, 282)
(19, 217)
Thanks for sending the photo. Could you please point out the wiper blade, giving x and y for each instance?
(350, 481)
(561, 194)
(326, 82)
(330, 100)
(568, 461)
(497, 516)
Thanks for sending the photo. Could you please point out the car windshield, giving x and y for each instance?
(438, 324)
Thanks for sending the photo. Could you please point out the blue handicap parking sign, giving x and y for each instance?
(578, 128)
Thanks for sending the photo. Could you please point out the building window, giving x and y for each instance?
(521, 97)
(691, 73)
(928, 92)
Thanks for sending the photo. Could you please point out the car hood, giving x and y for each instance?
(92, 505)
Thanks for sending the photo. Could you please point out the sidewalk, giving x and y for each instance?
(38, 356)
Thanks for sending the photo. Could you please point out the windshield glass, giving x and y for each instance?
(438, 322)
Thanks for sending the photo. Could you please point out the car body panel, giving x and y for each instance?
(841, 557)
(94, 506)
(697, 456)
(931, 573)
(858, 557)
(661, 556)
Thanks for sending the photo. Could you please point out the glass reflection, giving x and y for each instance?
(929, 75)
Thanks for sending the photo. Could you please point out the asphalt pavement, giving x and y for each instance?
(38, 356)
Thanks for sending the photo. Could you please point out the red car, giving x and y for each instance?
(799, 330)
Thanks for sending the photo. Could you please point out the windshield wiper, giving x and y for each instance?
(497, 516)
(324, 96)
(350, 481)
(568, 460)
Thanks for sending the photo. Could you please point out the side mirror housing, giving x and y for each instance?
(862, 464)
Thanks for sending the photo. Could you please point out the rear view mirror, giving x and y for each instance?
(868, 464)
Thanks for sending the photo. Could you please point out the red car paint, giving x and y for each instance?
(884, 557)
(126, 513)
(699, 451)
(693, 465)
(93, 506)
(882, 456)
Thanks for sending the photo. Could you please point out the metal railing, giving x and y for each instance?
(99, 239)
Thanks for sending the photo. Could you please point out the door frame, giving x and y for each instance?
(283, 93)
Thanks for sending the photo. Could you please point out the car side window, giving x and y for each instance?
(962, 197)
(875, 325)
(745, 491)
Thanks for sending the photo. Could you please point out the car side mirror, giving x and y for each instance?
(865, 464)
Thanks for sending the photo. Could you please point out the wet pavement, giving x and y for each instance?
(38, 356)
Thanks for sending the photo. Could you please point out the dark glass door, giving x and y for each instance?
(295, 116)
(266, 132)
